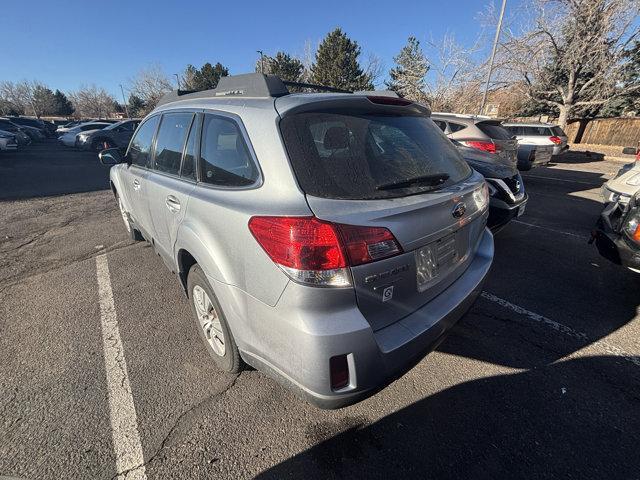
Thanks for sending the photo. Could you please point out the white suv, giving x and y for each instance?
(540, 134)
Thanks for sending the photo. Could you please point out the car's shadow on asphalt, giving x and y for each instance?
(542, 423)
(47, 168)
(576, 156)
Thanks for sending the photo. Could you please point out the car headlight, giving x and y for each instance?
(631, 225)
(82, 136)
(481, 196)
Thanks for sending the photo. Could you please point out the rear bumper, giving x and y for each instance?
(294, 340)
(559, 149)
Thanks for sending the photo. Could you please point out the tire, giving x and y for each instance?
(134, 234)
(213, 330)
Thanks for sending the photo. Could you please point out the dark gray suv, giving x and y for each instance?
(117, 135)
(330, 240)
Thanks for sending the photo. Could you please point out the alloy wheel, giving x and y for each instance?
(209, 320)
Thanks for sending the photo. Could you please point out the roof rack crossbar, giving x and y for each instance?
(321, 88)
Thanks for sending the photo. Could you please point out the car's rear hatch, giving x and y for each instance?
(505, 142)
(347, 153)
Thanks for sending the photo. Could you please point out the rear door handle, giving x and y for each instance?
(172, 203)
(136, 184)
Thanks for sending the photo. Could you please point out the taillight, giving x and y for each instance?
(366, 244)
(484, 146)
(316, 252)
(556, 140)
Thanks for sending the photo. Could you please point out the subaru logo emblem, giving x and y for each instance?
(459, 209)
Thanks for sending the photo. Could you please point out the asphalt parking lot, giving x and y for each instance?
(540, 379)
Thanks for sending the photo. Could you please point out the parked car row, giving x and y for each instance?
(528, 144)
(498, 150)
(97, 135)
(17, 132)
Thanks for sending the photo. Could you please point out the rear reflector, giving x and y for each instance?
(556, 140)
(317, 252)
(339, 370)
(484, 146)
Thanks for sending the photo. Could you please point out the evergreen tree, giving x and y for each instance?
(408, 77)
(63, 105)
(337, 64)
(205, 78)
(629, 102)
(43, 101)
(283, 65)
(136, 106)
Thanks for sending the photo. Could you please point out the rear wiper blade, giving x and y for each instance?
(432, 180)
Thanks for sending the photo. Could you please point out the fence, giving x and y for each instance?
(623, 132)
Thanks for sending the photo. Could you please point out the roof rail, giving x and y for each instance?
(257, 85)
(245, 85)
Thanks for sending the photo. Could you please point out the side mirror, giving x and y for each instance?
(111, 156)
(629, 151)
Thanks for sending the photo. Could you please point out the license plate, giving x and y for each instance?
(521, 209)
(433, 258)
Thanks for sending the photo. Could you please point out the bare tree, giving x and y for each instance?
(570, 55)
(26, 97)
(374, 68)
(14, 97)
(92, 102)
(150, 84)
(454, 79)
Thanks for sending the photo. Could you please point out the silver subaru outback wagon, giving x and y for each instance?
(328, 239)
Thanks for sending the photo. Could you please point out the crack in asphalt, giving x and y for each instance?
(175, 425)
(12, 281)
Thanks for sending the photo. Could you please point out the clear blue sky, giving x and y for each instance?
(66, 44)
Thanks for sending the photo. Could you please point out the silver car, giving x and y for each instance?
(330, 240)
(481, 133)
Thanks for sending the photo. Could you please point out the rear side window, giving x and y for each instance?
(557, 131)
(140, 147)
(171, 137)
(456, 127)
(338, 154)
(494, 130)
(224, 155)
(440, 124)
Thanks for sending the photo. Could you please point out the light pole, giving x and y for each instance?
(493, 55)
(124, 100)
(261, 60)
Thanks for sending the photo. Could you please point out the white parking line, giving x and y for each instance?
(594, 185)
(122, 411)
(559, 327)
(581, 237)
